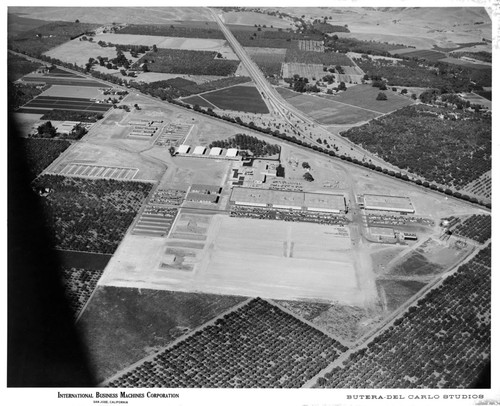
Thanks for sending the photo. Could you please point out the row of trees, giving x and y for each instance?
(442, 342)
(476, 227)
(257, 345)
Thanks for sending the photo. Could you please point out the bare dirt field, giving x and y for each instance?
(79, 52)
(109, 155)
(255, 258)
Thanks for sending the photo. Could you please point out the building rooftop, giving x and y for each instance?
(199, 150)
(232, 152)
(215, 151)
(183, 149)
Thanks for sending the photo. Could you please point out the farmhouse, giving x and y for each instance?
(67, 127)
(399, 204)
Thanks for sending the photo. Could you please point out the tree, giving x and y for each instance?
(342, 86)
(77, 21)
(47, 130)
(381, 96)
(308, 177)
(306, 165)
(155, 48)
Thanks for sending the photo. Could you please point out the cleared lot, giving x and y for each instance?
(279, 260)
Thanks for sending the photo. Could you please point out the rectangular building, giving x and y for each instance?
(399, 204)
(215, 151)
(183, 149)
(291, 200)
(199, 150)
(232, 152)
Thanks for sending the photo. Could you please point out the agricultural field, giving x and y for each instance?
(197, 29)
(44, 104)
(257, 345)
(441, 151)
(480, 187)
(186, 62)
(458, 311)
(38, 40)
(79, 52)
(79, 285)
(365, 96)
(89, 215)
(476, 227)
(270, 38)
(76, 81)
(116, 337)
(237, 98)
(19, 94)
(311, 46)
(310, 71)
(327, 111)
(40, 153)
(251, 18)
(17, 66)
(311, 57)
(268, 60)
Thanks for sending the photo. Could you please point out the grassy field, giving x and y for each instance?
(327, 111)
(79, 52)
(17, 66)
(197, 100)
(239, 98)
(267, 59)
(365, 96)
(396, 292)
(251, 18)
(123, 325)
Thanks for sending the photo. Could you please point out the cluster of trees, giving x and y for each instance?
(257, 345)
(90, 215)
(47, 130)
(301, 85)
(415, 138)
(251, 144)
(69, 115)
(204, 30)
(19, 94)
(184, 61)
(79, 283)
(323, 27)
(448, 78)
(344, 45)
(476, 227)
(480, 56)
(40, 153)
(442, 342)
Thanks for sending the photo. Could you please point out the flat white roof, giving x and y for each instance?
(183, 149)
(199, 150)
(215, 151)
(232, 152)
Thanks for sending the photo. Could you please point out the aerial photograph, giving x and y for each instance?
(249, 197)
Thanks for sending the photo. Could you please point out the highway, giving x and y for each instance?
(280, 108)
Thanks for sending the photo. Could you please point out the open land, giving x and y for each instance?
(327, 111)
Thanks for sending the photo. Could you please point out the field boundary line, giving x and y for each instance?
(208, 101)
(177, 340)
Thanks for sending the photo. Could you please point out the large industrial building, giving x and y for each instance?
(399, 204)
(280, 199)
